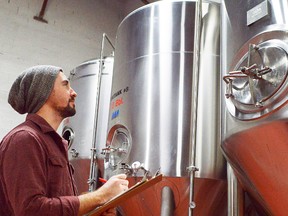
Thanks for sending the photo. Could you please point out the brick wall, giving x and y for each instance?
(72, 35)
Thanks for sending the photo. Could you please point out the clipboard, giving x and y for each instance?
(135, 189)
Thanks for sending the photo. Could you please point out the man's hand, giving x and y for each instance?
(114, 186)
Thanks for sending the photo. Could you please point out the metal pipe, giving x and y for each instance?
(93, 176)
(168, 202)
(235, 194)
(42, 12)
(197, 44)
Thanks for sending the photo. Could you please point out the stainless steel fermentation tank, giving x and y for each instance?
(165, 108)
(92, 81)
(254, 69)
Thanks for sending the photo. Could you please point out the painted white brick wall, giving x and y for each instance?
(73, 35)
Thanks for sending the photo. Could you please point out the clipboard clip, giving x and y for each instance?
(134, 168)
(157, 173)
(145, 177)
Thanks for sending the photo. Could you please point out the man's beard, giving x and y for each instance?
(67, 111)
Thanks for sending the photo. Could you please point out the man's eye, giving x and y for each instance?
(65, 83)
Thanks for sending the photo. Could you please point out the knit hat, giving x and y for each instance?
(32, 88)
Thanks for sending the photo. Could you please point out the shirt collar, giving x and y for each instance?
(46, 128)
(41, 122)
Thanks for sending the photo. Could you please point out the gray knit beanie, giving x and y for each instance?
(32, 88)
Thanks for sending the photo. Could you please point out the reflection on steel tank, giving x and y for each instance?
(254, 69)
(93, 86)
(165, 109)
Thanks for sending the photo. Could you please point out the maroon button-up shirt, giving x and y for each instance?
(35, 174)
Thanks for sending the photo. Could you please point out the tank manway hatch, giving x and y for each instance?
(258, 84)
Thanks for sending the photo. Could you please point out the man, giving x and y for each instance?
(35, 174)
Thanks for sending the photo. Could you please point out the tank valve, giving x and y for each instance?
(109, 150)
(134, 168)
(74, 153)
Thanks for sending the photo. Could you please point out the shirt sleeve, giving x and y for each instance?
(25, 179)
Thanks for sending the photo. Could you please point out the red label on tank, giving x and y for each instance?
(117, 103)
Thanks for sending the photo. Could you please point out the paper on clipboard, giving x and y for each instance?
(137, 188)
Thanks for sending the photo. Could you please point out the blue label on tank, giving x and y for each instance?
(115, 114)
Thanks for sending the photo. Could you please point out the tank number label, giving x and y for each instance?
(117, 93)
(117, 102)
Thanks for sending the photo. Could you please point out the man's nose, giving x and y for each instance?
(73, 92)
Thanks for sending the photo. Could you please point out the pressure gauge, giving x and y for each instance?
(258, 84)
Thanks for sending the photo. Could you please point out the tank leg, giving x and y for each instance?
(235, 194)
(168, 203)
